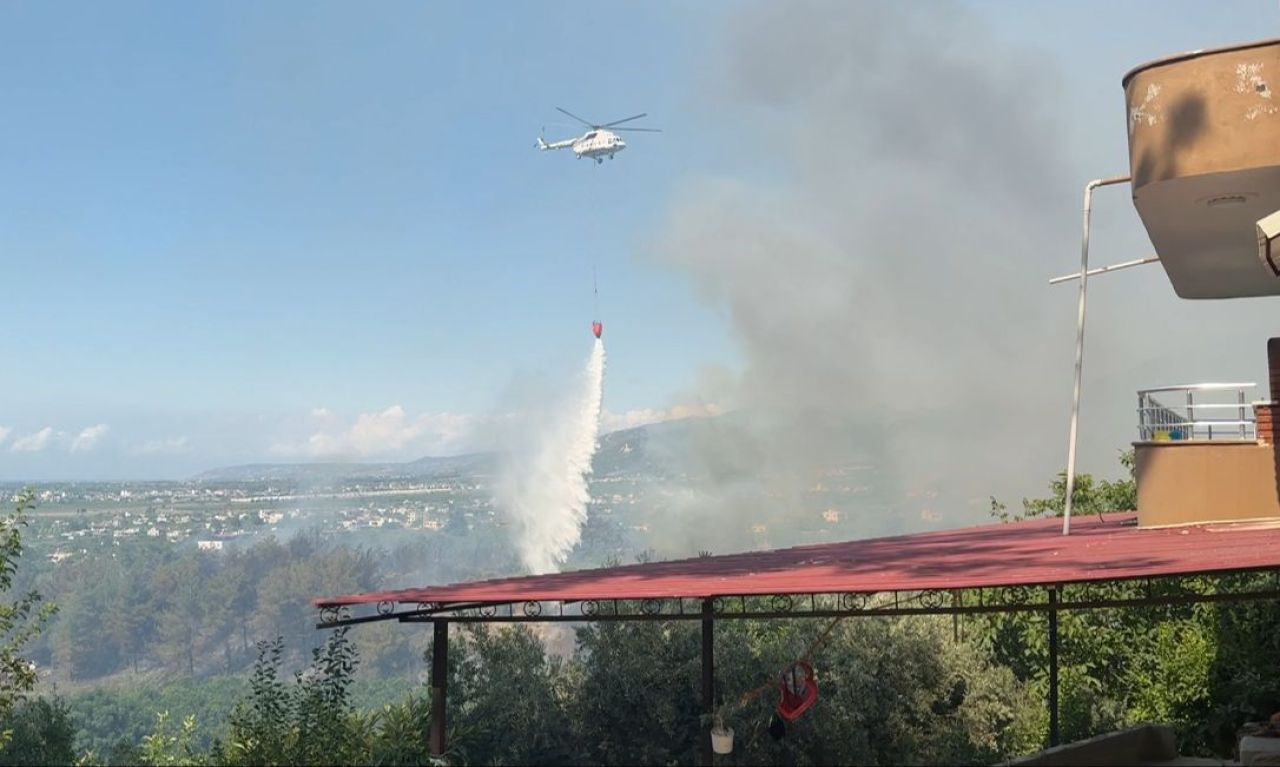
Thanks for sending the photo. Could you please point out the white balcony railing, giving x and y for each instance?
(1196, 412)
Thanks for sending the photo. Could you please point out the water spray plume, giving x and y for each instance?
(542, 488)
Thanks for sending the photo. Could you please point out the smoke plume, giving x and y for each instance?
(883, 272)
(542, 477)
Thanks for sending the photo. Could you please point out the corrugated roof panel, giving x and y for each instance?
(1030, 552)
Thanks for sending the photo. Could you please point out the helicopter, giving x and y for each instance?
(598, 142)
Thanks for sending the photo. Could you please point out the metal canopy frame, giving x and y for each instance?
(1084, 595)
(1187, 588)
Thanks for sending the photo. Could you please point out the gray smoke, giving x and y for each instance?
(884, 272)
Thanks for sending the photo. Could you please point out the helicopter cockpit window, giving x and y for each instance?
(592, 134)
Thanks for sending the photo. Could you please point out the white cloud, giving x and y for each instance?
(632, 418)
(321, 412)
(33, 443)
(388, 430)
(88, 437)
(4, 433)
(168, 445)
(384, 432)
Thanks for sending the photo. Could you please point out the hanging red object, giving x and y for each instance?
(596, 329)
(799, 690)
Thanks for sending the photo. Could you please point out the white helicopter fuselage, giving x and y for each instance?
(598, 143)
(594, 144)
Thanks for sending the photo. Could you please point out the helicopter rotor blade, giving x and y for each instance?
(623, 120)
(645, 130)
(579, 119)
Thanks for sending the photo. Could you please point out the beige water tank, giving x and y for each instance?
(1204, 154)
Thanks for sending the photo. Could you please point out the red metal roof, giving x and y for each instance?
(1031, 552)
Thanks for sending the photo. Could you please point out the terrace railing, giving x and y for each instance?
(1205, 411)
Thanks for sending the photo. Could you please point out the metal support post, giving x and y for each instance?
(1075, 392)
(1053, 666)
(708, 680)
(1240, 417)
(1106, 269)
(439, 685)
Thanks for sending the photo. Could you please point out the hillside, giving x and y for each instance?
(621, 452)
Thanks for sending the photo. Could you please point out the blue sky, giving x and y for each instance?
(225, 227)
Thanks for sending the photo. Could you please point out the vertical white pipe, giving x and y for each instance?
(1075, 392)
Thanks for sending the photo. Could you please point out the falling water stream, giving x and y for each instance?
(542, 488)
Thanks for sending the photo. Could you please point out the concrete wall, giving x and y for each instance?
(1144, 744)
(1185, 482)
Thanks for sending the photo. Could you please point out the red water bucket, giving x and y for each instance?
(799, 690)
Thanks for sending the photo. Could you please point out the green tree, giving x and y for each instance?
(127, 622)
(168, 746)
(20, 618)
(78, 636)
(41, 733)
(1204, 669)
(311, 722)
(400, 733)
(1089, 496)
(511, 699)
(183, 629)
(637, 679)
(259, 724)
(326, 729)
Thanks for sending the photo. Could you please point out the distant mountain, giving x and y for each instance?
(649, 450)
(450, 465)
(327, 473)
(658, 450)
(620, 452)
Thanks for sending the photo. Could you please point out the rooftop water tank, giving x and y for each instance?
(1204, 154)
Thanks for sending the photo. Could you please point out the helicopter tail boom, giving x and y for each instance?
(544, 146)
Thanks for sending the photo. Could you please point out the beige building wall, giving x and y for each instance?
(1185, 482)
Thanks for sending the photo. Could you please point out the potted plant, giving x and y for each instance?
(721, 736)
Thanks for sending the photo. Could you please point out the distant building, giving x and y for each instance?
(209, 545)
